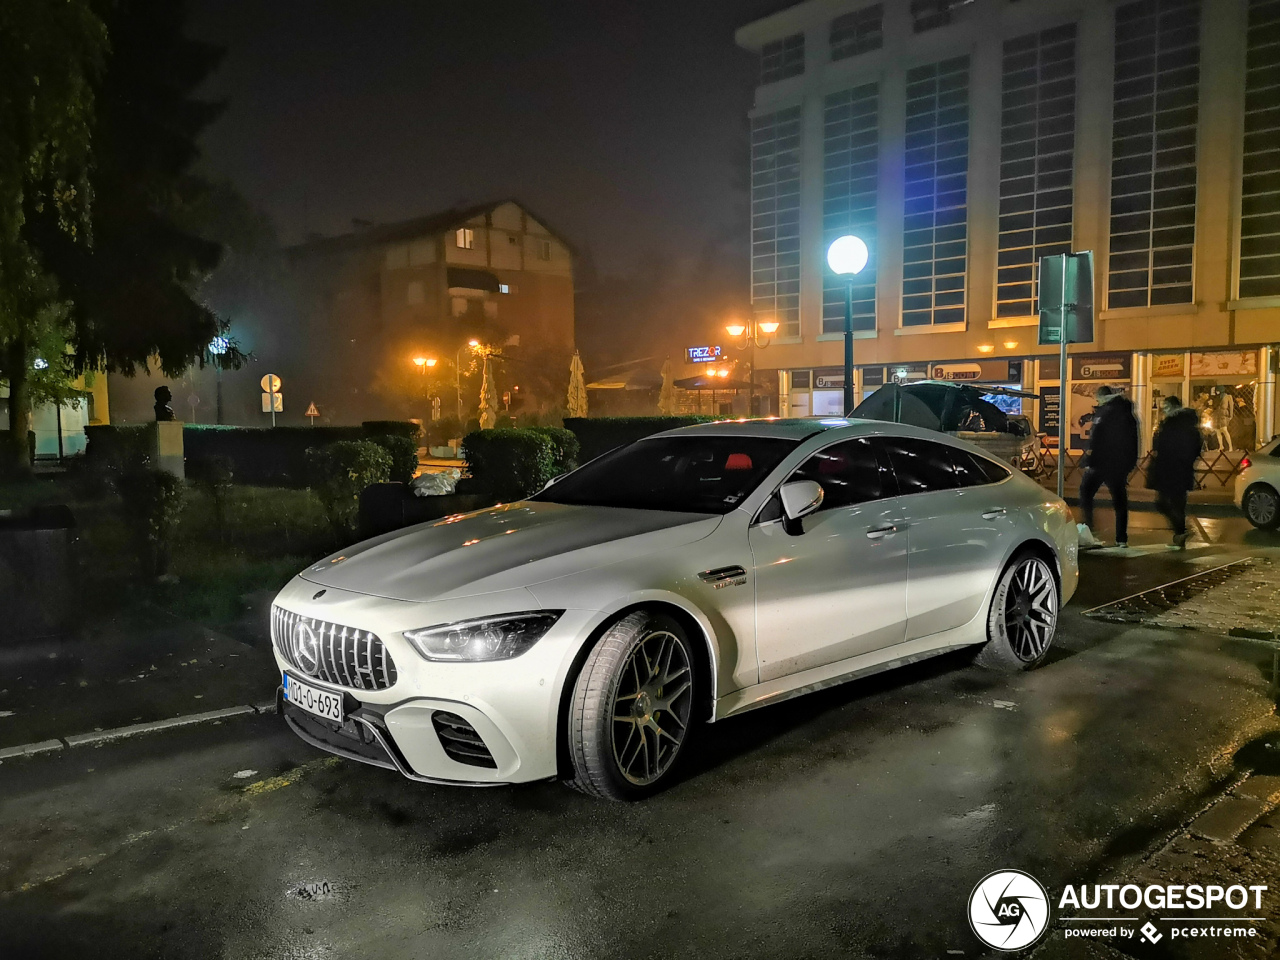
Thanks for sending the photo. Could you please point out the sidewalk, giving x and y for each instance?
(154, 668)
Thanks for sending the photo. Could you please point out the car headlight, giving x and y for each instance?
(488, 638)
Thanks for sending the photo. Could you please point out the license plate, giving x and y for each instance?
(323, 703)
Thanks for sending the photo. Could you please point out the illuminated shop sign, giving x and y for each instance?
(703, 354)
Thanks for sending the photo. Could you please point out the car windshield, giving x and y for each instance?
(691, 474)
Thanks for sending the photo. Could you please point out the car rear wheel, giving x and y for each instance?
(632, 708)
(1023, 616)
(1261, 506)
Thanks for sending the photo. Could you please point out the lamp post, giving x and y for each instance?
(846, 257)
(218, 347)
(423, 364)
(750, 335)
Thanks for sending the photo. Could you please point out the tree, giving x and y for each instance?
(132, 288)
(51, 55)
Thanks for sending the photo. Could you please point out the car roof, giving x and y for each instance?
(795, 428)
(801, 428)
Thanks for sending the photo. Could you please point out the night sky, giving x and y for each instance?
(621, 123)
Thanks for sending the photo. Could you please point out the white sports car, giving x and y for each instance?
(586, 632)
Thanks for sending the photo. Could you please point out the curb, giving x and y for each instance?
(98, 737)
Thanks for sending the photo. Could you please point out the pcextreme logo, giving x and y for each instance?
(1008, 910)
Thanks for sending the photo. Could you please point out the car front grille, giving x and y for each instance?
(460, 740)
(340, 655)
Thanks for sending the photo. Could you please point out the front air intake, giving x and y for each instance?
(460, 740)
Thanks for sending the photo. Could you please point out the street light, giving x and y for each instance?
(218, 347)
(749, 336)
(846, 257)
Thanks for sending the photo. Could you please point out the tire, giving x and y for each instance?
(1023, 617)
(1261, 506)
(631, 752)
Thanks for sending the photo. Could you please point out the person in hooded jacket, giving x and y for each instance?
(1172, 472)
(1112, 455)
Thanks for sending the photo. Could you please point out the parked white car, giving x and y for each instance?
(586, 632)
(1258, 486)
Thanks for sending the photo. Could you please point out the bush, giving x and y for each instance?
(564, 447)
(152, 503)
(404, 455)
(507, 464)
(116, 448)
(599, 435)
(391, 428)
(214, 475)
(340, 471)
(440, 432)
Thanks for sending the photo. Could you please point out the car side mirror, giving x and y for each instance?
(799, 499)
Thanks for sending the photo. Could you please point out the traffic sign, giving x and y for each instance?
(1066, 291)
(273, 403)
(312, 412)
(270, 383)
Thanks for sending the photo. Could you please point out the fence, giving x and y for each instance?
(1215, 470)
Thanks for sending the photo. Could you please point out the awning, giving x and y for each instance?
(711, 383)
(635, 380)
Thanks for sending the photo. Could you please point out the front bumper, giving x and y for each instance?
(511, 707)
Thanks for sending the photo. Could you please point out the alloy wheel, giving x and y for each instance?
(1261, 508)
(1030, 609)
(652, 707)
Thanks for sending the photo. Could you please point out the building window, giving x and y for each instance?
(931, 14)
(783, 58)
(504, 288)
(465, 238)
(850, 151)
(935, 233)
(1153, 153)
(1260, 189)
(1037, 148)
(858, 32)
(414, 292)
(542, 248)
(775, 219)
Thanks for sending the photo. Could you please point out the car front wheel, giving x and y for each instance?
(632, 708)
(1261, 507)
(1023, 616)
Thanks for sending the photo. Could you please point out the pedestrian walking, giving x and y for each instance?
(1172, 472)
(1111, 457)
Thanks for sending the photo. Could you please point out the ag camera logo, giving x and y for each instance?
(1008, 910)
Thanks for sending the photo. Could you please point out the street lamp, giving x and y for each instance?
(751, 335)
(218, 347)
(846, 257)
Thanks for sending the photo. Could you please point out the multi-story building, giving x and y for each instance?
(350, 313)
(965, 139)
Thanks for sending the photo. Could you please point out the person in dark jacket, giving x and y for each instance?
(1172, 472)
(1112, 455)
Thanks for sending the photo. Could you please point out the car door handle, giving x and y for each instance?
(993, 513)
(877, 533)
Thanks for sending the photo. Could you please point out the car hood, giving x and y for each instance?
(509, 546)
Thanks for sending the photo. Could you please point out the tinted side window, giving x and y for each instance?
(992, 471)
(921, 465)
(848, 473)
(968, 473)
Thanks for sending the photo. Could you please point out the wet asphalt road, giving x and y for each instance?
(853, 822)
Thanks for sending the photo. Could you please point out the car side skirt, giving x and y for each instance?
(843, 671)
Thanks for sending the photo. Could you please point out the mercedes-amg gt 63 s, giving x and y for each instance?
(587, 632)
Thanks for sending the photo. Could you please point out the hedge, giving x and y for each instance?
(507, 464)
(597, 435)
(267, 456)
(564, 447)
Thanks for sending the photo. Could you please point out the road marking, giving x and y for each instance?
(271, 784)
(117, 733)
